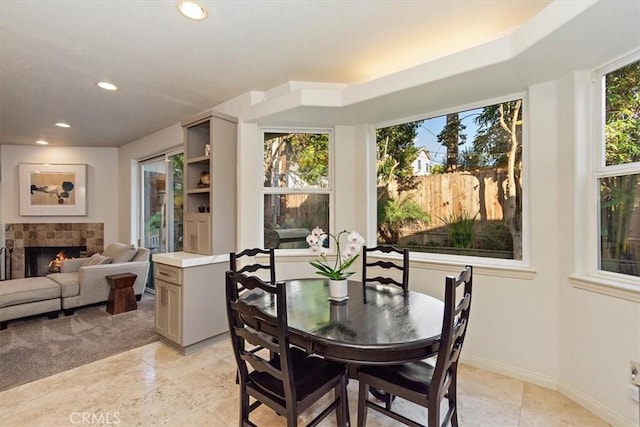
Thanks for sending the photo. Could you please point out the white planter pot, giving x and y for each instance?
(338, 290)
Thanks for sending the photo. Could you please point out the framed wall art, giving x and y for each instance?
(53, 190)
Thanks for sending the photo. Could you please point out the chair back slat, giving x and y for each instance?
(245, 262)
(398, 269)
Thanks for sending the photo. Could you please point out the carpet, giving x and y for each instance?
(38, 347)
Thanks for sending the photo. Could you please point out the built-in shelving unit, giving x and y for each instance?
(210, 176)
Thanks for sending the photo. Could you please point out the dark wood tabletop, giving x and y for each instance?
(379, 326)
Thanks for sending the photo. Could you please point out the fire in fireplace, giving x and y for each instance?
(42, 260)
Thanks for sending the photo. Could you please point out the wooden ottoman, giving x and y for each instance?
(121, 295)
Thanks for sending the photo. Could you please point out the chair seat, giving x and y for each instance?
(310, 373)
(414, 376)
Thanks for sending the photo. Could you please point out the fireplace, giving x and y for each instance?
(40, 260)
(22, 238)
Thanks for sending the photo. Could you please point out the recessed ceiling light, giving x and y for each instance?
(63, 125)
(192, 10)
(107, 86)
(42, 142)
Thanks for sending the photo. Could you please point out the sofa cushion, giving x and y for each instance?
(97, 259)
(21, 291)
(120, 252)
(69, 283)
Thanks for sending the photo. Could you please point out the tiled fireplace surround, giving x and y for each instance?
(20, 236)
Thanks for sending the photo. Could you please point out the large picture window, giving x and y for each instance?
(452, 184)
(618, 168)
(296, 186)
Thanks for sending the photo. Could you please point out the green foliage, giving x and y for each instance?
(496, 237)
(395, 153)
(312, 155)
(622, 115)
(460, 228)
(452, 136)
(394, 214)
(438, 169)
(492, 141)
(622, 146)
(153, 223)
(306, 158)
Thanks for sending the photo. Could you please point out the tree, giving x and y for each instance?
(622, 146)
(395, 154)
(500, 137)
(299, 157)
(395, 214)
(451, 137)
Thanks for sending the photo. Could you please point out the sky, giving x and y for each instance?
(429, 130)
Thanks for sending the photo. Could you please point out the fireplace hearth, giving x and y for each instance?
(41, 260)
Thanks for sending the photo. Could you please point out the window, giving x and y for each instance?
(296, 186)
(470, 201)
(617, 170)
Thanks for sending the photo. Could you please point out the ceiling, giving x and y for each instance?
(168, 68)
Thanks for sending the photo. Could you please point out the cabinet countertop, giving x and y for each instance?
(186, 259)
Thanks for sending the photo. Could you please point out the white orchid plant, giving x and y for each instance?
(344, 259)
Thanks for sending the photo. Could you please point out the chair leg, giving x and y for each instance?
(244, 406)
(342, 410)
(362, 404)
(452, 397)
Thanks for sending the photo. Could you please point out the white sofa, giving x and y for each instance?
(82, 285)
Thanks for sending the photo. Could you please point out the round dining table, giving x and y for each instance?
(375, 325)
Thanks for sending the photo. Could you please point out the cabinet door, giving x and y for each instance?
(197, 234)
(169, 310)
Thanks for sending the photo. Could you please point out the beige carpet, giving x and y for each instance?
(38, 347)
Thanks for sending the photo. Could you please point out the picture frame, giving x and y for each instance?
(52, 189)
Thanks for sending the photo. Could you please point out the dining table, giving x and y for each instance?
(377, 324)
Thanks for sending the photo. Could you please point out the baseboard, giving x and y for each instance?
(546, 381)
(510, 371)
(593, 405)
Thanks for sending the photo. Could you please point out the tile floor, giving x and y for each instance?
(154, 385)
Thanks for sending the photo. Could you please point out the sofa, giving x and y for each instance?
(80, 282)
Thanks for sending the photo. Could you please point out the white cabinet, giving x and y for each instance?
(210, 141)
(190, 309)
(169, 310)
(197, 234)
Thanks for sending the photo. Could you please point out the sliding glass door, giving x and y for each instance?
(161, 202)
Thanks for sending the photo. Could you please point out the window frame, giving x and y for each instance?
(619, 282)
(329, 190)
(491, 266)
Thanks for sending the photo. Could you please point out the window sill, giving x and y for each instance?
(625, 291)
(514, 272)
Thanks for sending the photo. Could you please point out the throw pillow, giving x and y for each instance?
(120, 252)
(97, 259)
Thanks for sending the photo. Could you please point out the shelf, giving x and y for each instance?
(199, 190)
(200, 159)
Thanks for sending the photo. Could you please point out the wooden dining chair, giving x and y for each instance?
(248, 264)
(290, 381)
(422, 382)
(401, 266)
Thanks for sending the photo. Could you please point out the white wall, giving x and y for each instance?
(102, 189)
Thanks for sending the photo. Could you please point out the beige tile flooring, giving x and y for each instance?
(154, 385)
